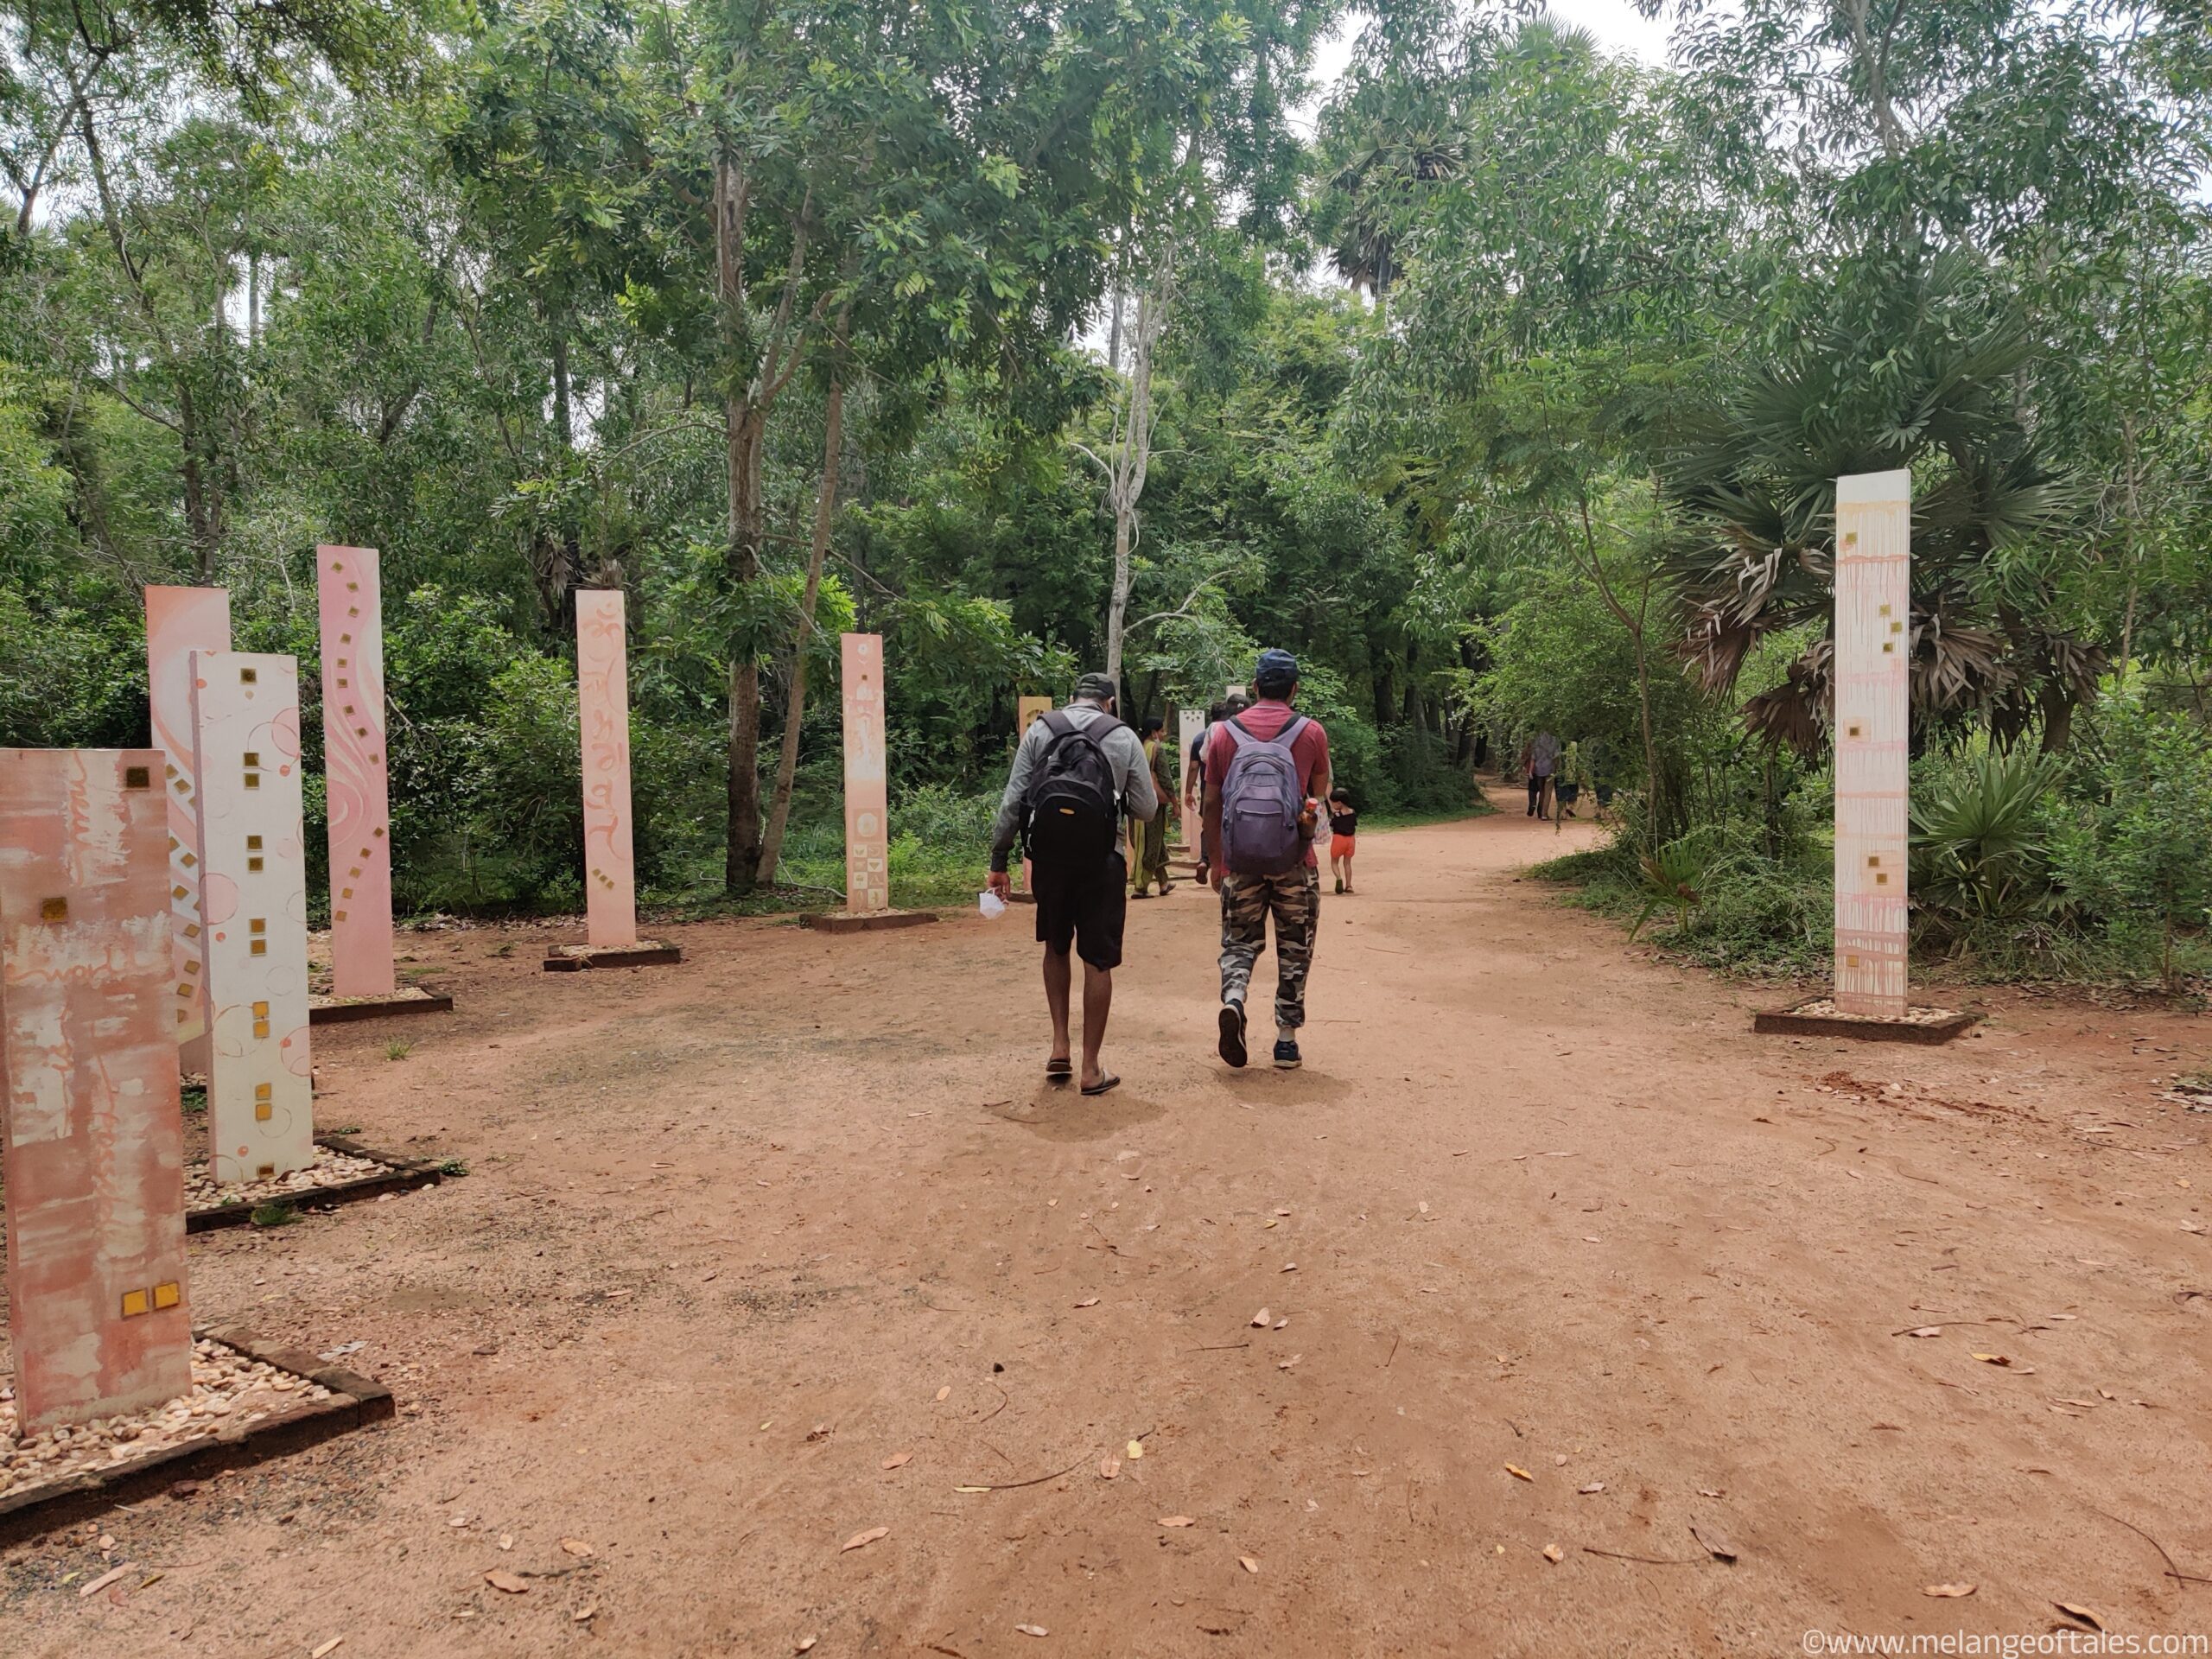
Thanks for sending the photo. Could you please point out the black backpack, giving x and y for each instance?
(1071, 813)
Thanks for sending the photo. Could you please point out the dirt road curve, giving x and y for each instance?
(739, 1233)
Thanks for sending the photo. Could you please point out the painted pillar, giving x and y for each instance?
(245, 709)
(867, 806)
(179, 621)
(603, 713)
(92, 1141)
(355, 772)
(1873, 717)
(1192, 722)
(1026, 711)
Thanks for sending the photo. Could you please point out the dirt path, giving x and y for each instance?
(739, 1233)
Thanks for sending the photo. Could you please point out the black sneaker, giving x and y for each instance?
(1287, 1054)
(1232, 1033)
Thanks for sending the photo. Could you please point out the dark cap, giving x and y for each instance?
(1277, 672)
(1096, 688)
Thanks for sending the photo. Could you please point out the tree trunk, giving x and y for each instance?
(568, 570)
(2134, 555)
(826, 511)
(745, 428)
(742, 428)
(202, 511)
(1133, 456)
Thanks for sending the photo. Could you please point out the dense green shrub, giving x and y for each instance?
(2135, 851)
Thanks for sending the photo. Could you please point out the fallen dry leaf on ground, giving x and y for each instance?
(1032, 1629)
(507, 1581)
(1088, 1301)
(1135, 1449)
(1518, 1473)
(1995, 1359)
(104, 1580)
(1290, 1266)
(1247, 1563)
(1285, 1364)
(1594, 1487)
(2074, 1610)
(805, 1644)
(861, 1540)
(1177, 1521)
(1949, 1592)
(1927, 1330)
(1108, 1468)
(589, 1610)
(1260, 1318)
(945, 1393)
(506, 1541)
(897, 1460)
(336, 1642)
(1553, 1553)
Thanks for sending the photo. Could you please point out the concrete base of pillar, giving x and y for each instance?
(871, 922)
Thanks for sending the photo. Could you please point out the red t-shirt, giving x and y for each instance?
(1309, 750)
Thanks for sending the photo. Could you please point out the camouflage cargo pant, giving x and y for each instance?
(1246, 901)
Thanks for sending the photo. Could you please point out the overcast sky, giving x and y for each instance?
(1617, 25)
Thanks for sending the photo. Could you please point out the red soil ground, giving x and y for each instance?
(737, 1234)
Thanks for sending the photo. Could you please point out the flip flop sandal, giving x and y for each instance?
(1058, 1071)
(1103, 1083)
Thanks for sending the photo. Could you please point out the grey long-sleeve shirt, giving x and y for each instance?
(1123, 751)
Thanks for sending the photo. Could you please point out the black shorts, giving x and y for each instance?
(1084, 904)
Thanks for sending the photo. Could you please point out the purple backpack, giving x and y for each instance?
(1260, 801)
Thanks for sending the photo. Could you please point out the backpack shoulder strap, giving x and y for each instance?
(1284, 738)
(1104, 726)
(1056, 721)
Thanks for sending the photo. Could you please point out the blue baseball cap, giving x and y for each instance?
(1275, 674)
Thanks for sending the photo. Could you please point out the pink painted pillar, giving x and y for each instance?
(92, 1141)
(246, 710)
(1873, 729)
(868, 805)
(603, 711)
(1026, 712)
(353, 771)
(179, 621)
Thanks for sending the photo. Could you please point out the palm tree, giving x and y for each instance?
(1377, 188)
(1993, 520)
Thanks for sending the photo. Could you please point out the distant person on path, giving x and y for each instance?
(1266, 770)
(1344, 831)
(1542, 758)
(1194, 765)
(1077, 771)
(1151, 834)
(1567, 787)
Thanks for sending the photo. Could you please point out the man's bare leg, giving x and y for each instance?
(1097, 999)
(1057, 980)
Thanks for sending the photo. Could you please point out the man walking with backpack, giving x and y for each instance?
(1076, 770)
(1267, 769)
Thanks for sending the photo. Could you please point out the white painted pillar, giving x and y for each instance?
(1873, 730)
